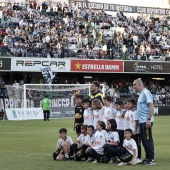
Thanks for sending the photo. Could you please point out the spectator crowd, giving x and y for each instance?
(56, 30)
(124, 89)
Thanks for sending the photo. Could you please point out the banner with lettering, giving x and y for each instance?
(35, 64)
(18, 113)
(37, 113)
(100, 66)
(124, 8)
(146, 67)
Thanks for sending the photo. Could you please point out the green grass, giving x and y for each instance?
(28, 145)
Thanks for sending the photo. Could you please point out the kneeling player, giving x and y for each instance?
(88, 142)
(63, 144)
(78, 146)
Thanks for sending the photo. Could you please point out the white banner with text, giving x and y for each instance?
(34, 64)
(18, 113)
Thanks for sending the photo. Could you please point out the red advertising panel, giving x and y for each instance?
(100, 66)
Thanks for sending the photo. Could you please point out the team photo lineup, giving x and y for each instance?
(109, 132)
(81, 84)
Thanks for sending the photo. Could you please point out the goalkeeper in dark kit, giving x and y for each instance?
(78, 117)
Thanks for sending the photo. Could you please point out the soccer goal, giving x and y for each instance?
(24, 102)
(62, 97)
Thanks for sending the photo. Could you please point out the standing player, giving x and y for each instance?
(97, 109)
(88, 114)
(145, 109)
(120, 113)
(78, 117)
(109, 111)
(45, 104)
(131, 122)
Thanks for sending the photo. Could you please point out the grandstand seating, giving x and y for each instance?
(54, 32)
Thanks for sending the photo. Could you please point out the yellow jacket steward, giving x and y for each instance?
(97, 95)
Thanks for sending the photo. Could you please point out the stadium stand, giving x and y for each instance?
(54, 30)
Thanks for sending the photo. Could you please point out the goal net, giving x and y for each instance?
(12, 97)
(24, 102)
(62, 97)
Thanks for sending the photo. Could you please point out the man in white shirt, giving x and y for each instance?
(16, 84)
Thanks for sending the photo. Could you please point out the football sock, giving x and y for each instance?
(66, 155)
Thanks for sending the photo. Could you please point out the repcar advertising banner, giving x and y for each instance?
(35, 64)
(5, 64)
(146, 67)
(124, 8)
(100, 66)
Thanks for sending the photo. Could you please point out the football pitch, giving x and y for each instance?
(28, 145)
